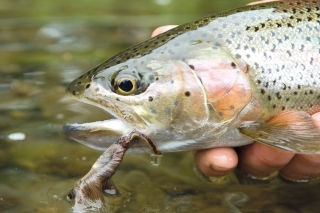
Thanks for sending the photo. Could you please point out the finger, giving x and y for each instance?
(162, 29)
(216, 162)
(261, 161)
(303, 168)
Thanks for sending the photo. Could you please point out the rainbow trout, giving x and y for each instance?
(248, 74)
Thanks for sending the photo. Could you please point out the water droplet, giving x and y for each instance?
(155, 159)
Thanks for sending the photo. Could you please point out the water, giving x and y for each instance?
(46, 44)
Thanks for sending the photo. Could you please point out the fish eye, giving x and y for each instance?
(126, 86)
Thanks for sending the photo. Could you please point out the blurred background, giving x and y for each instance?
(44, 44)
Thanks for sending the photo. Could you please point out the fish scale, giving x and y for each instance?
(247, 74)
(272, 47)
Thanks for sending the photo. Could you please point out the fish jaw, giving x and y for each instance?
(100, 135)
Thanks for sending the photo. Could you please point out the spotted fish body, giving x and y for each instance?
(247, 74)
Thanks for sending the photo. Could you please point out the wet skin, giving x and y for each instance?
(257, 159)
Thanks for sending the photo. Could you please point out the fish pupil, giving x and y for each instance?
(126, 85)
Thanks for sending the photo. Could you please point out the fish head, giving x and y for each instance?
(146, 94)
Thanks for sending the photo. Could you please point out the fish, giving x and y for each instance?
(226, 80)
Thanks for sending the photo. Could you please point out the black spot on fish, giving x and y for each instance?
(274, 106)
(295, 93)
(150, 98)
(79, 83)
(191, 66)
(88, 85)
(187, 93)
(74, 92)
(269, 98)
(263, 91)
(117, 99)
(233, 65)
(229, 41)
(258, 81)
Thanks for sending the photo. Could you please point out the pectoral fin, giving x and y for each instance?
(291, 130)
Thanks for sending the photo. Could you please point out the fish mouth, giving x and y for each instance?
(101, 134)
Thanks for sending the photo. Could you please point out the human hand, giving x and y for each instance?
(257, 159)
(260, 161)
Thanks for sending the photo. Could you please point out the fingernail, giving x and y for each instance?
(219, 169)
(313, 180)
(269, 177)
(218, 180)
